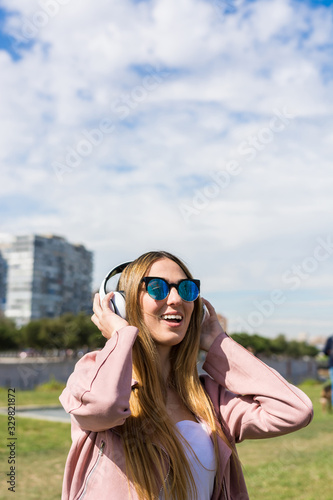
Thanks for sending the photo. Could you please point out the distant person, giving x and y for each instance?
(144, 425)
(329, 352)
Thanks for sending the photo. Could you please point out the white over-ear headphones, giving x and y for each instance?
(117, 303)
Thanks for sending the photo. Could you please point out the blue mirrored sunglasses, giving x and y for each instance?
(159, 289)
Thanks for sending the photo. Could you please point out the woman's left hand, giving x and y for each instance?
(210, 328)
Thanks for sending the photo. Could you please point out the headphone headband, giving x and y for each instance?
(116, 270)
(117, 303)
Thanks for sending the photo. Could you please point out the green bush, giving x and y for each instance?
(51, 385)
(278, 346)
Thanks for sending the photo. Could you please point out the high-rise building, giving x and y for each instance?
(46, 277)
(3, 283)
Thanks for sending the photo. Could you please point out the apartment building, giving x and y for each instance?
(3, 283)
(46, 276)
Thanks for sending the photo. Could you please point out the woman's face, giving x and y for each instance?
(156, 313)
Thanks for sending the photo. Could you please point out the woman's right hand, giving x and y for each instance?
(210, 328)
(104, 318)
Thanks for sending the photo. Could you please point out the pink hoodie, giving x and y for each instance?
(251, 400)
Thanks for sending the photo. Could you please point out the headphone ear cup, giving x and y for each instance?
(118, 304)
(205, 313)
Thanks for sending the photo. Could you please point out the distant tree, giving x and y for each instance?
(261, 344)
(72, 331)
(65, 332)
(242, 338)
(30, 334)
(254, 342)
(9, 336)
(80, 331)
(293, 349)
(279, 344)
(307, 350)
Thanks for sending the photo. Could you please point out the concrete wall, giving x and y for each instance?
(294, 370)
(27, 374)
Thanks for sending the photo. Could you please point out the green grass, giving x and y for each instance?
(46, 394)
(297, 466)
(41, 451)
(41, 447)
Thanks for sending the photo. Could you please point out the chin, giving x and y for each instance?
(169, 340)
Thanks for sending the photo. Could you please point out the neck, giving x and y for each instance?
(164, 355)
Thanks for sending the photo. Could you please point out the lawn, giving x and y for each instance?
(44, 395)
(291, 467)
(41, 449)
(295, 466)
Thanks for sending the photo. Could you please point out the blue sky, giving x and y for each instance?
(9, 43)
(6, 41)
(201, 127)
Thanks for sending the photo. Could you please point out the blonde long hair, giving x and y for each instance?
(153, 447)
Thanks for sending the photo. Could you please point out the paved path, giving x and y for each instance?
(51, 413)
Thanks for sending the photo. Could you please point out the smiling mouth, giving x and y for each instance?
(172, 318)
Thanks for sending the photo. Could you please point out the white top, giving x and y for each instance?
(201, 457)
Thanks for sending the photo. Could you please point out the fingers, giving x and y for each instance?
(95, 320)
(99, 305)
(104, 317)
(209, 306)
(96, 303)
(105, 302)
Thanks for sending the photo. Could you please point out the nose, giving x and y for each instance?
(174, 297)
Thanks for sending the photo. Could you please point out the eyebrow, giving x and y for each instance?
(170, 283)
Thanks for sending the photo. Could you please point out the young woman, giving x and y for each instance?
(144, 425)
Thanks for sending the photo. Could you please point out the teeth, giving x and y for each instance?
(172, 316)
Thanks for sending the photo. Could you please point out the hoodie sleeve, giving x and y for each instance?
(98, 391)
(254, 400)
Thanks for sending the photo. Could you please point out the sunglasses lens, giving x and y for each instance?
(188, 290)
(157, 289)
